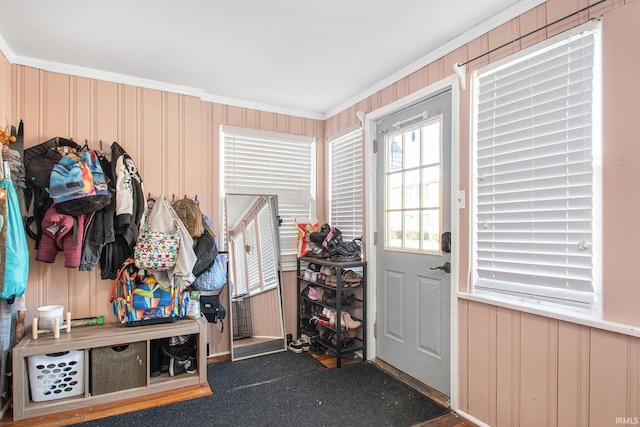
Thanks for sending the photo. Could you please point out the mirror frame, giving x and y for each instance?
(268, 346)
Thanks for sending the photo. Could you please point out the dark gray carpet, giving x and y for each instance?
(288, 389)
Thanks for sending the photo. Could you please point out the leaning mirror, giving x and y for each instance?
(253, 243)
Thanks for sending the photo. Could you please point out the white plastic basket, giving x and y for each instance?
(56, 376)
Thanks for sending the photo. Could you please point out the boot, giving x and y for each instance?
(348, 322)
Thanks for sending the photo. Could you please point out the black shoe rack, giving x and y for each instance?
(331, 339)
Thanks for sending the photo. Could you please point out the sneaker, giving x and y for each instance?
(307, 275)
(191, 367)
(328, 271)
(295, 346)
(305, 340)
(182, 353)
(312, 293)
(317, 348)
(177, 367)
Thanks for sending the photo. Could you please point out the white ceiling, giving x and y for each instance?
(293, 56)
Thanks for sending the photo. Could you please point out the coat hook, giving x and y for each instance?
(101, 146)
(173, 198)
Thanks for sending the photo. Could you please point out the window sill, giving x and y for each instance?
(573, 317)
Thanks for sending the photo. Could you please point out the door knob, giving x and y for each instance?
(446, 267)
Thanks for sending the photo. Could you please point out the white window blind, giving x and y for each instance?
(345, 183)
(268, 263)
(537, 173)
(272, 163)
(239, 271)
(251, 248)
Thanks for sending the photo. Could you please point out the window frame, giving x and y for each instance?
(595, 310)
(350, 139)
(305, 148)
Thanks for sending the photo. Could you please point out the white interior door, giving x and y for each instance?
(413, 251)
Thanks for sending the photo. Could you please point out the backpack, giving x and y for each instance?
(138, 299)
(188, 211)
(39, 161)
(78, 184)
(206, 249)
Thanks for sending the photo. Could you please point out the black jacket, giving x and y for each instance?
(130, 206)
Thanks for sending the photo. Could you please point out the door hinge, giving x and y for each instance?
(375, 238)
(375, 146)
(375, 330)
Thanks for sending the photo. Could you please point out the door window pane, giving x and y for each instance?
(412, 148)
(431, 135)
(412, 229)
(431, 230)
(394, 191)
(394, 229)
(413, 187)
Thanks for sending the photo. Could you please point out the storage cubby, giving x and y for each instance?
(101, 361)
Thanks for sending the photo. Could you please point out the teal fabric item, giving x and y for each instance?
(15, 253)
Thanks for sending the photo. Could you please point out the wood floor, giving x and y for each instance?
(448, 420)
(332, 361)
(109, 409)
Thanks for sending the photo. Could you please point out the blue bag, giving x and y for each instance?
(214, 278)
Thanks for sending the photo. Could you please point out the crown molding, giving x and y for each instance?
(484, 27)
(91, 73)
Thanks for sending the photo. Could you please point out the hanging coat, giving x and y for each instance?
(164, 218)
(14, 254)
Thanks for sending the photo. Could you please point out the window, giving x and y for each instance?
(271, 163)
(253, 237)
(239, 271)
(345, 183)
(413, 175)
(537, 173)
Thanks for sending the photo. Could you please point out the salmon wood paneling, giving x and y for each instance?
(174, 140)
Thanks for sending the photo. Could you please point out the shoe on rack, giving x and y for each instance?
(177, 367)
(345, 339)
(349, 299)
(333, 240)
(319, 236)
(318, 251)
(348, 252)
(316, 348)
(307, 275)
(312, 293)
(323, 320)
(329, 298)
(295, 346)
(331, 281)
(349, 322)
(351, 279)
(328, 271)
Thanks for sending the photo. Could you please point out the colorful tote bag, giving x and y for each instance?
(138, 299)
